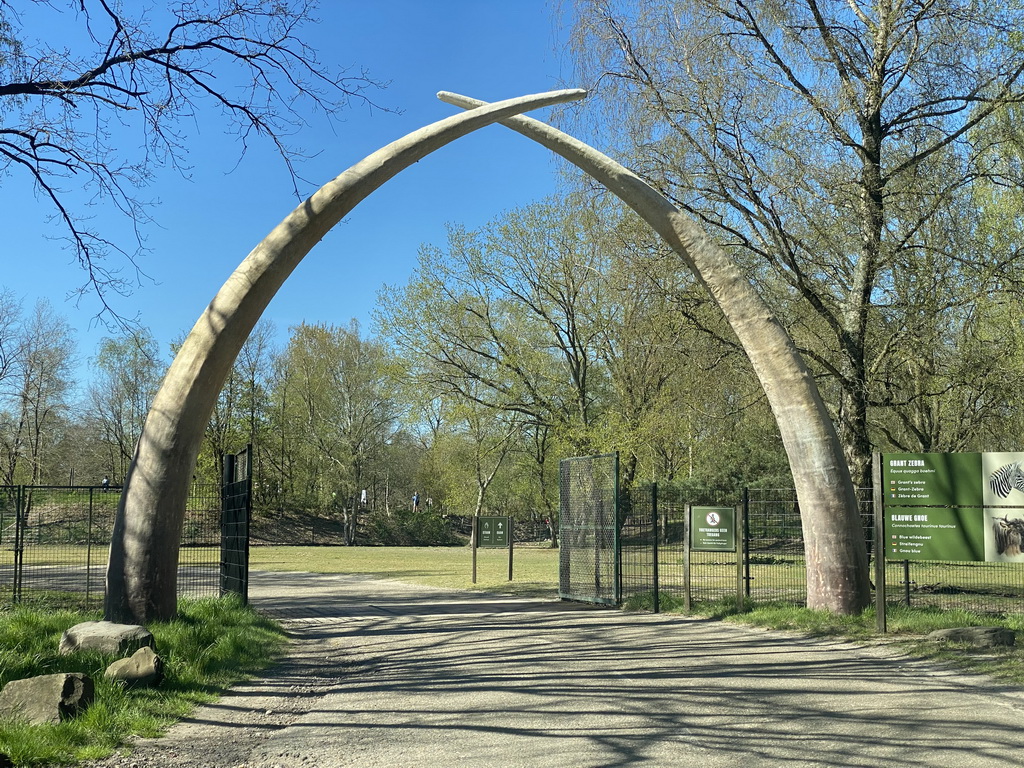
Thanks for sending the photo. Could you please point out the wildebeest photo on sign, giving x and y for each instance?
(1008, 535)
(1007, 531)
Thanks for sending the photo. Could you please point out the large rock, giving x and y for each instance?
(142, 668)
(47, 699)
(106, 637)
(981, 637)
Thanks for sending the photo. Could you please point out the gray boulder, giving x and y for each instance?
(47, 699)
(106, 637)
(143, 668)
(980, 637)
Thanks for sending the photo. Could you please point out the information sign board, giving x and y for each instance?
(493, 531)
(921, 533)
(713, 529)
(954, 506)
(933, 479)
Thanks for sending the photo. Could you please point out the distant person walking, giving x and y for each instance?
(105, 483)
(416, 501)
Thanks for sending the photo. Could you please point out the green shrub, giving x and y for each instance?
(405, 528)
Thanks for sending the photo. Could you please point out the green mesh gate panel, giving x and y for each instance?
(236, 515)
(588, 529)
(54, 542)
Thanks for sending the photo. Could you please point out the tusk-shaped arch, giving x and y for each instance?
(837, 570)
(142, 569)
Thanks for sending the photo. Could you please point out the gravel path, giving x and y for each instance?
(387, 674)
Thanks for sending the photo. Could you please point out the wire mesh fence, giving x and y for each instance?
(972, 586)
(774, 569)
(588, 529)
(54, 542)
(768, 563)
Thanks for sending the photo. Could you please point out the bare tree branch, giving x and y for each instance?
(152, 70)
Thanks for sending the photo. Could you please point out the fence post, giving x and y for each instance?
(654, 545)
(687, 599)
(615, 536)
(878, 502)
(88, 550)
(19, 542)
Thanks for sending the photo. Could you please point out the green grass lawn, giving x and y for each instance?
(534, 569)
(212, 644)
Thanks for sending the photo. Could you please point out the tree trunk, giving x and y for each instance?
(143, 565)
(836, 556)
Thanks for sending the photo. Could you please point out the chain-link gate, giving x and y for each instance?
(588, 529)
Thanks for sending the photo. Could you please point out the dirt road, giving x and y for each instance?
(386, 674)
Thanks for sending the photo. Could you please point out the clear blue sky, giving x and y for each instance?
(205, 226)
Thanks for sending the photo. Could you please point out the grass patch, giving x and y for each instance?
(907, 628)
(534, 569)
(212, 644)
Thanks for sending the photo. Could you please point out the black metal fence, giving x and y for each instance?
(769, 564)
(236, 515)
(54, 542)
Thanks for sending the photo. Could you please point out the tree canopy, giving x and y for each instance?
(836, 148)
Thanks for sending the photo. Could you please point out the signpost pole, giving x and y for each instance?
(475, 536)
(510, 548)
(740, 525)
(878, 499)
(686, 559)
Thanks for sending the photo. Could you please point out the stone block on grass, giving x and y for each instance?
(142, 669)
(980, 637)
(106, 637)
(47, 699)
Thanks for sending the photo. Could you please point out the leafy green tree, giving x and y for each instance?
(826, 143)
(240, 416)
(126, 373)
(476, 447)
(36, 400)
(336, 413)
(498, 322)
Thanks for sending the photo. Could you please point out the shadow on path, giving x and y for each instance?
(390, 674)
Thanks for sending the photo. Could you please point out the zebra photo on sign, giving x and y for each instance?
(1007, 478)
(1004, 506)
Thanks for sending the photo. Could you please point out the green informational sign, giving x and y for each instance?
(713, 529)
(933, 479)
(493, 531)
(954, 506)
(923, 533)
